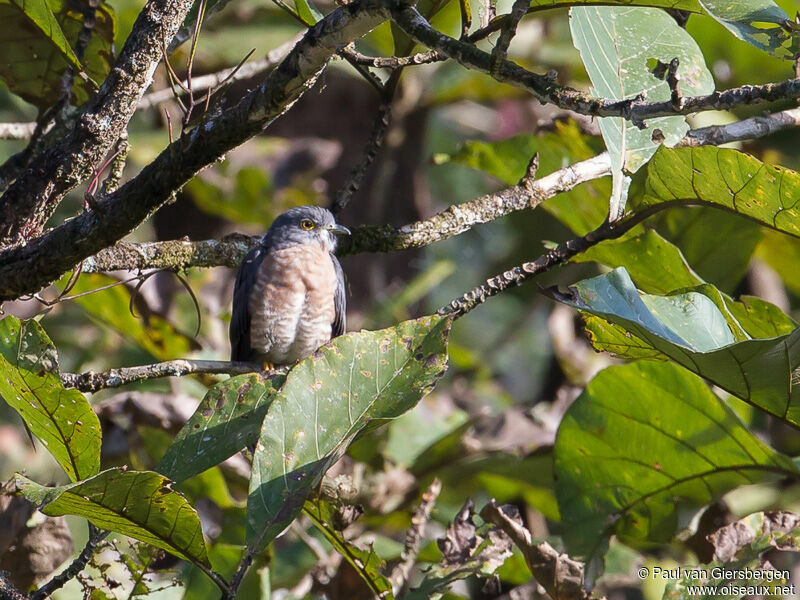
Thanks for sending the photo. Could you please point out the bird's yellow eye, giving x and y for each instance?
(307, 224)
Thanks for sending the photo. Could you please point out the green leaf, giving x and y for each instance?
(782, 253)
(366, 563)
(697, 231)
(327, 400)
(61, 418)
(725, 179)
(689, 328)
(643, 442)
(139, 504)
(761, 23)
(111, 307)
(226, 421)
(36, 40)
(619, 50)
(657, 265)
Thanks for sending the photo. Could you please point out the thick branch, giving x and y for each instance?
(230, 250)
(547, 90)
(747, 129)
(29, 268)
(33, 197)
(92, 382)
(560, 575)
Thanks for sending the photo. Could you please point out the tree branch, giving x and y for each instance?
(33, 197)
(28, 268)
(558, 255)
(92, 382)
(547, 90)
(76, 566)
(747, 129)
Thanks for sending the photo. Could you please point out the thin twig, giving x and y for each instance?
(518, 10)
(96, 535)
(558, 255)
(392, 62)
(414, 535)
(91, 381)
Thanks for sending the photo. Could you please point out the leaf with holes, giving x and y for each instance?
(644, 442)
(328, 399)
(699, 330)
(725, 179)
(227, 420)
(60, 418)
(619, 51)
(761, 23)
(139, 504)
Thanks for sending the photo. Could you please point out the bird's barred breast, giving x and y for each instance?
(292, 304)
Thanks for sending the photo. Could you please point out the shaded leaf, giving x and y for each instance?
(689, 328)
(61, 418)
(327, 400)
(226, 421)
(617, 47)
(37, 50)
(641, 442)
(139, 504)
(150, 331)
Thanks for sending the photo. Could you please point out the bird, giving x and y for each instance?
(289, 296)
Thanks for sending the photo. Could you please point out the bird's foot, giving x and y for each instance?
(267, 366)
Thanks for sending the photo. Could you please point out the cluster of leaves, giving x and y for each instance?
(644, 444)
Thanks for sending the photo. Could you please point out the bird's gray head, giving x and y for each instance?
(304, 225)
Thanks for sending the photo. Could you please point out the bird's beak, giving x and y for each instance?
(337, 229)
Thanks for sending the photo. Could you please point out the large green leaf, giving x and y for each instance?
(61, 418)
(139, 504)
(327, 400)
(227, 420)
(761, 23)
(690, 328)
(619, 51)
(643, 442)
(726, 179)
(36, 40)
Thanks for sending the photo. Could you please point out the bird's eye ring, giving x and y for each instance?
(307, 224)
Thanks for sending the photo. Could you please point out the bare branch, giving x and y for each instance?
(559, 574)
(76, 566)
(33, 197)
(30, 267)
(420, 518)
(394, 62)
(518, 10)
(547, 90)
(556, 256)
(747, 129)
(92, 382)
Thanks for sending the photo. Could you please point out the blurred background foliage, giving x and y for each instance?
(516, 363)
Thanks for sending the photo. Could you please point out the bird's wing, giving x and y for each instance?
(240, 316)
(339, 301)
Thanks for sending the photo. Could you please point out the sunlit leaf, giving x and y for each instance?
(619, 51)
(327, 400)
(691, 329)
(139, 504)
(61, 418)
(227, 420)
